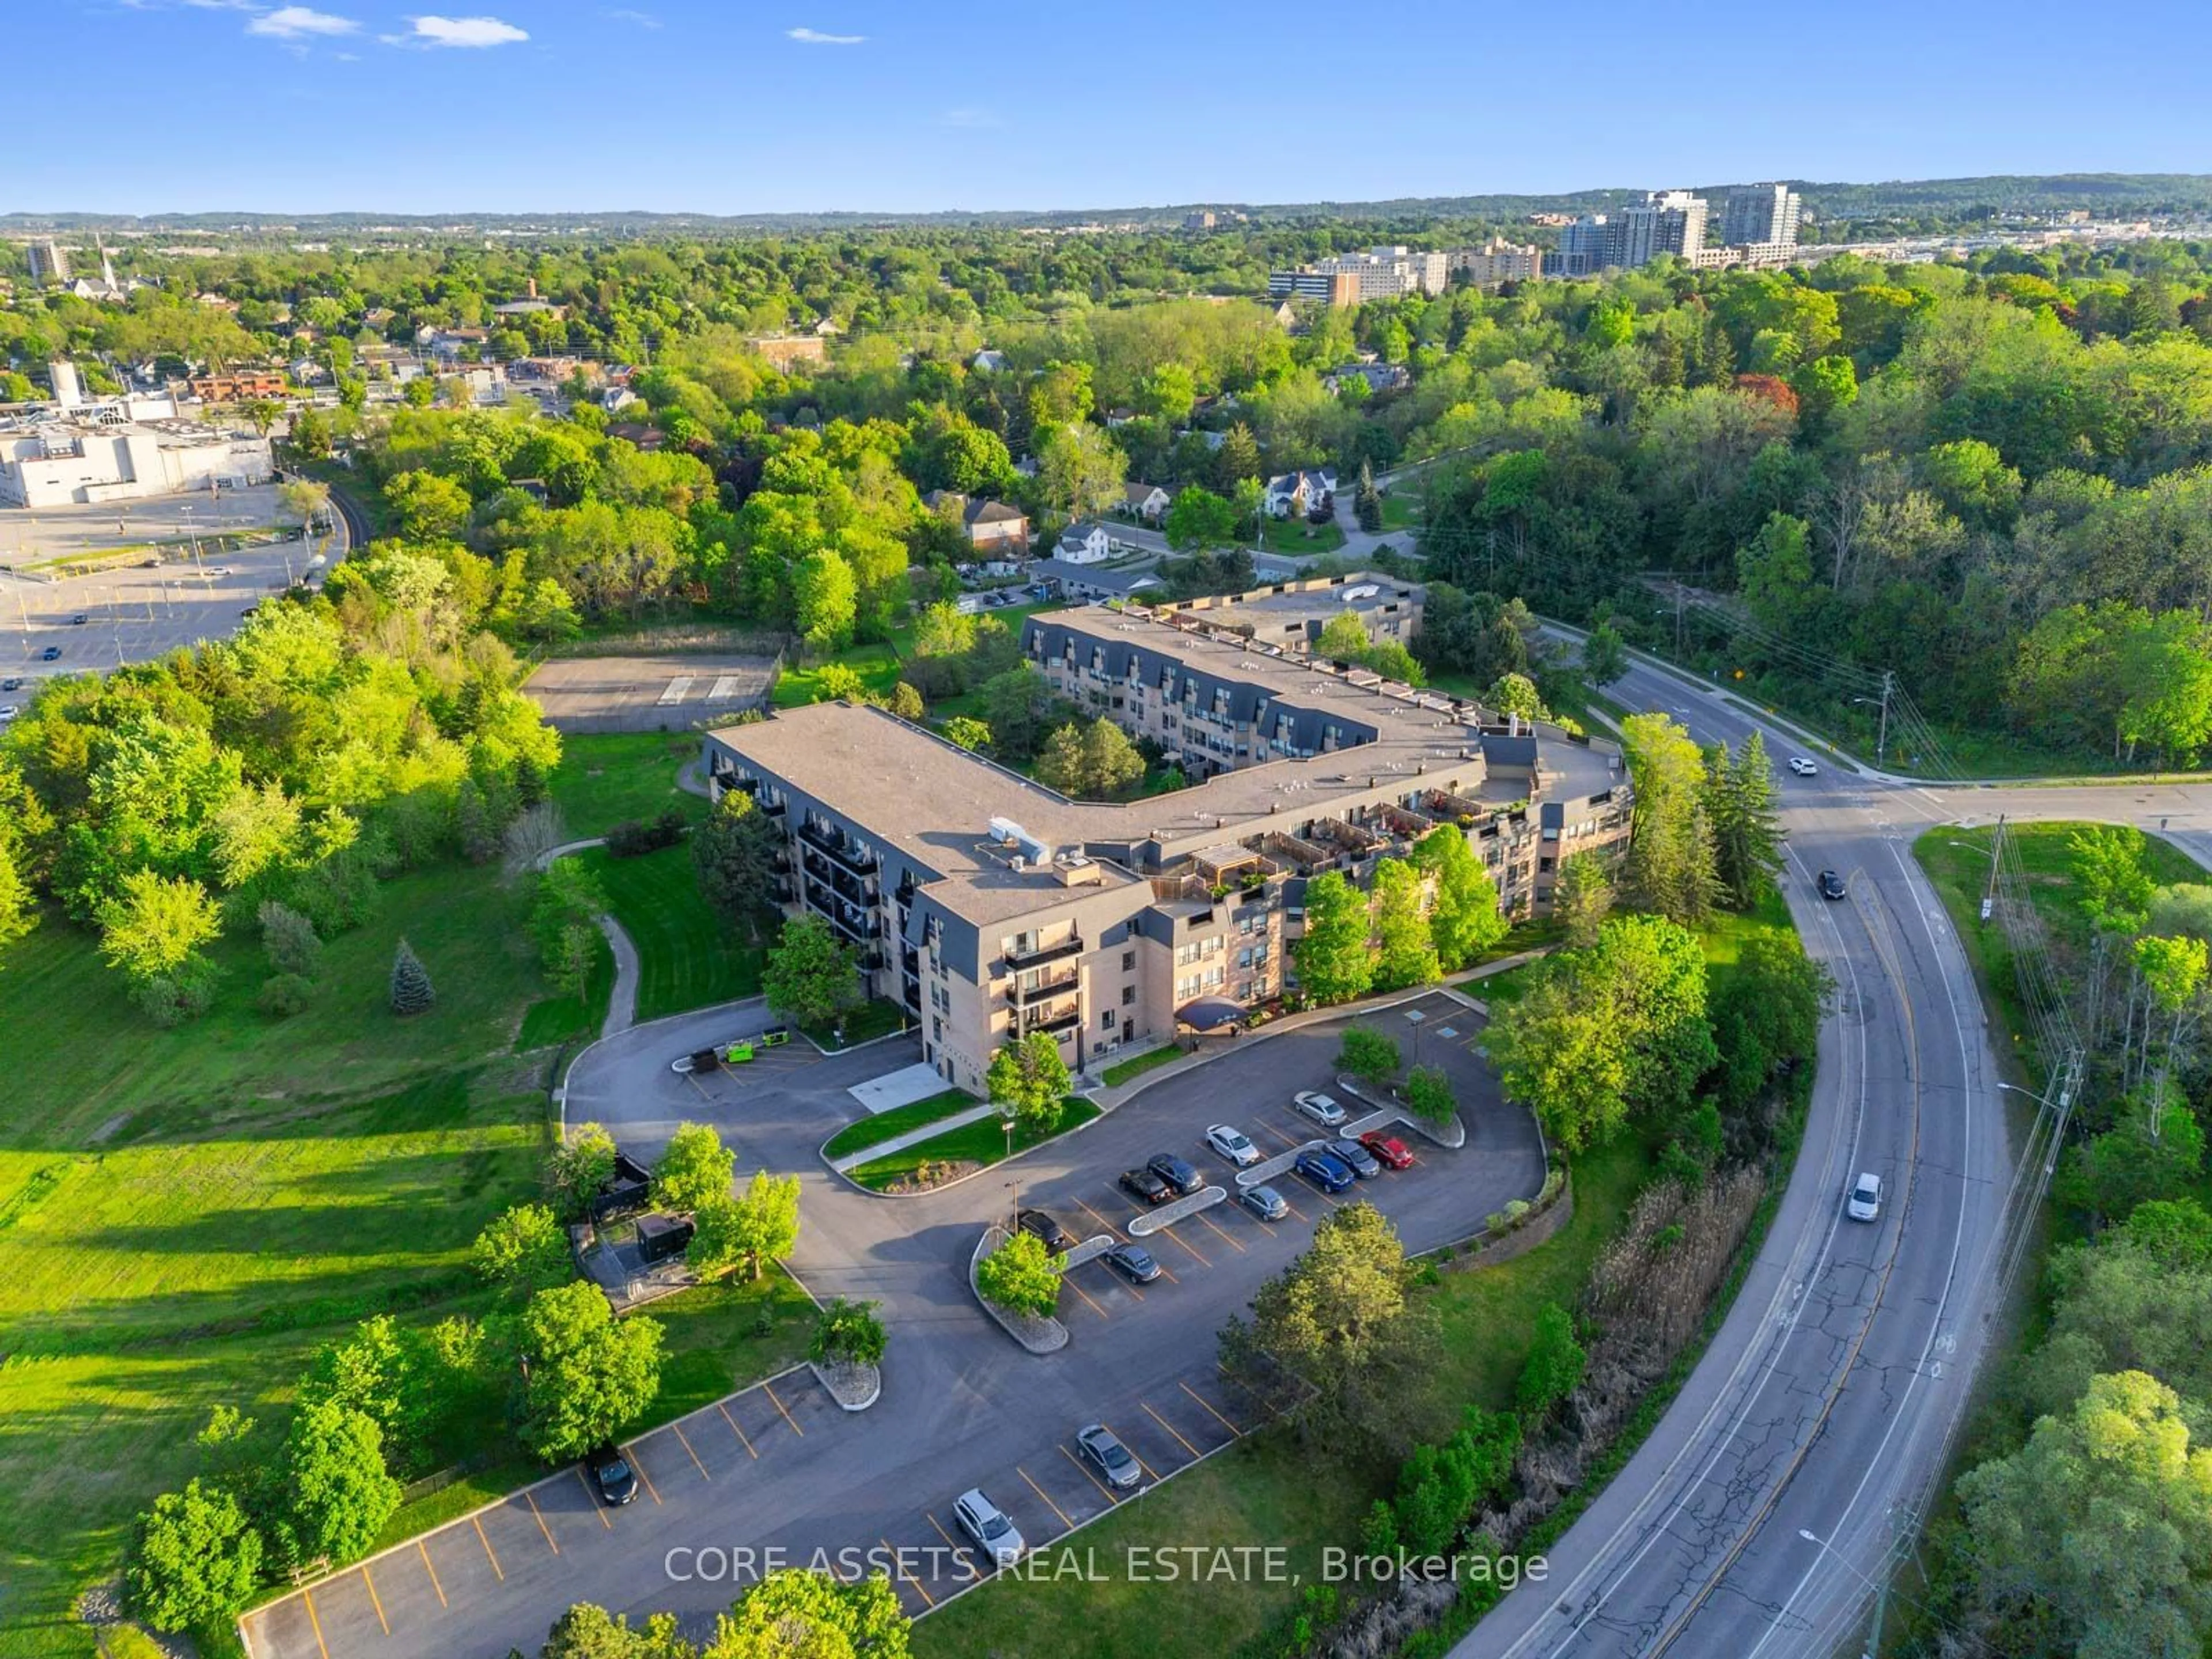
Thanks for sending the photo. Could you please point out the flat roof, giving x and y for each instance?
(1293, 598)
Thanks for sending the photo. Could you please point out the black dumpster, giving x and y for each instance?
(659, 1237)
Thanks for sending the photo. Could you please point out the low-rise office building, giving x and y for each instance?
(59, 462)
(989, 907)
(1292, 614)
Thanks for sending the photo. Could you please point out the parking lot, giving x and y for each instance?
(649, 694)
(780, 1468)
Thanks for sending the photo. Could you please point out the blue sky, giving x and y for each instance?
(765, 106)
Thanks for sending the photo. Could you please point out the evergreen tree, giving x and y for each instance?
(1583, 897)
(411, 990)
(1743, 806)
(1334, 961)
(1366, 502)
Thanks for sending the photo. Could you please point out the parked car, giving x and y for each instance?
(1865, 1203)
(991, 1527)
(1146, 1186)
(1057, 1238)
(1388, 1149)
(1803, 768)
(1323, 1171)
(1355, 1157)
(1832, 885)
(1233, 1145)
(1179, 1173)
(1101, 1449)
(1319, 1107)
(1133, 1262)
(79, 620)
(1264, 1202)
(8, 711)
(13, 683)
(612, 1478)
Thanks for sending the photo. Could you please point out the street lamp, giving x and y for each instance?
(1822, 1543)
(2061, 1105)
(1413, 1017)
(1006, 1122)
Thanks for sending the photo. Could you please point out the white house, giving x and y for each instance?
(1144, 500)
(987, 362)
(1085, 543)
(1294, 495)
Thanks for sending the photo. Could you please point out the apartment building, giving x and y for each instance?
(1756, 216)
(1291, 614)
(1497, 261)
(1666, 221)
(1351, 279)
(990, 907)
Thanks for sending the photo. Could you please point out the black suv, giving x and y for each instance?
(1178, 1172)
(1057, 1238)
(1832, 885)
(1146, 1186)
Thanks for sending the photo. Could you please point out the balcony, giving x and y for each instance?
(1056, 1023)
(865, 932)
(1038, 955)
(910, 961)
(860, 863)
(1059, 985)
(912, 996)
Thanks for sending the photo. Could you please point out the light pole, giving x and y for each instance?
(2062, 1106)
(1413, 1017)
(1006, 1122)
(1881, 731)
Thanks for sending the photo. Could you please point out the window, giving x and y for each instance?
(1106, 1019)
(936, 1029)
(1128, 996)
(1128, 962)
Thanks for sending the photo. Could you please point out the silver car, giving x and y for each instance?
(1116, 1465)
(1264, 1202)
(1234, 1144)
(991, 1527)
(1320, 1108)
(1865, 1203)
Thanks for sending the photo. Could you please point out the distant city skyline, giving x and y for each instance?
(825, 105)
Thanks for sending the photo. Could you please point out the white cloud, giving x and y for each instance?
(644, 20)
(815, 38)
(300, 23)
(464, 32)
(969, 118)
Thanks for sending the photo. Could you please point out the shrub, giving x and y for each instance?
(289, 938)
(411, 990)
(284, 995)
(633, 837)
(169, 999)
(847, 1334)
(1367, 1054)
(1021, 1276)
(1429, 1092)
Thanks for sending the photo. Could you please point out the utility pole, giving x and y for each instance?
(1996, 847)
(1881, 738)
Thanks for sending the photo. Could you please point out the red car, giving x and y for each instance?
(1389, 1150)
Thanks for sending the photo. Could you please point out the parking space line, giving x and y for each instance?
(638, 1463)
(1048, 1503)
(374, 1599)
(1171, 1233)
(787, 1417)
(598, 1508)
(1087, 1475)
(486, 1542)
(1133, 1452)
(1099, 1219)
(1291, 1207)
(1085, 1295)
(925, 1596)
(677, 1429)
(941, 1533)
(1171, 1428)
(1209, 1410)
(315, 1623)
(1225, 1237)
(735, 1430)
(432, 1571)
(542, 1527)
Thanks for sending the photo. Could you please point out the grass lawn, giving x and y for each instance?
(1401, 512)
(688, 957)
(606, 777)
(1120, 1072)
(870, 1131)
(727, 1336)
(872, 1019)
(1264, 1490)
(185, 1215)
(878, 666)
(982, 1142)
(573, 1019)
(1296, 536)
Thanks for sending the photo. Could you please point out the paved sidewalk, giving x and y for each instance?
(912, 1137)
(622, 1002)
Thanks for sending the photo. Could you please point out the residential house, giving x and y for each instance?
(1085, 543)
(784, 350)
(616, 398)
(1147, 501)
(987, 362)
(992, 526)
(1380, 377)
(1294, 495)
(646, 438)
(1086, 584)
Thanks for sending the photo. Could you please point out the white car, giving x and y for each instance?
(1320, 1108)
(1803, 768)
(1866, 1199)
(8, 711)
(1233, 1145)
(991, 1527)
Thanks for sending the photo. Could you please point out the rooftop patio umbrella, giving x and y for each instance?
(1210, 1013)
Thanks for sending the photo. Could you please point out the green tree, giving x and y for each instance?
(1198, 519)
(586, 1632)
(969, 734)
(1407, 951)
(1060, 763)
(1079, 472)
(1366, 502)
(1343, 638)
(1583, 898)
(767, 1220)
(2092, 1536)
(289, 938)
(579, 1167)
(906, 702)
(1745, 811)
(1605, 659)
(564, 921)
(1334, 960)
(195, 1559)
(846, 1334)
(1766, 1013)
(429, 508)
(1110, 761)
(1464, 917)
(1428, 1093)
(1021, 1276)
(338, 1493)
(810, 974)
(823, 598)
(1237, 460)
(839, 681)
(734, 853)
(1031, 1077)
(1553, 1368)
(1669, 865)
(525, 1248)
(155, 925)
(19, 912)
(410, 992)
(694, 1170)
(1368, 1054)
(1514, 694)
(795, 1613)
(587, 1373)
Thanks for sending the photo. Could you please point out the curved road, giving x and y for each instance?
(1777, 1490)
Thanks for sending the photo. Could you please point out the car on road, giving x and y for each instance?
(612, 1478)
(1133, 1262)
(1803, 768)
(1319, 1107)
(1264, 1202)
(153, 563)
(79, 620)
(1057, 1238)
(991, 1527)
(1103, 1450)
(1865, 1204)
(1179, 1173)
(1323, 1171)
(220, 570)
(1234, 1144)
(52, 653)
(1355, 1157)
(8, 711)
(1146, 1186)
(1832, 885)
(1388, 1149)
(13, 683)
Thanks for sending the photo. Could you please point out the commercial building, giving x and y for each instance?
(1497, 261)
(1756, 216)
(1292, 614)
(990, 907)
(1351, 279)
(58, 462)
(49, 261)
